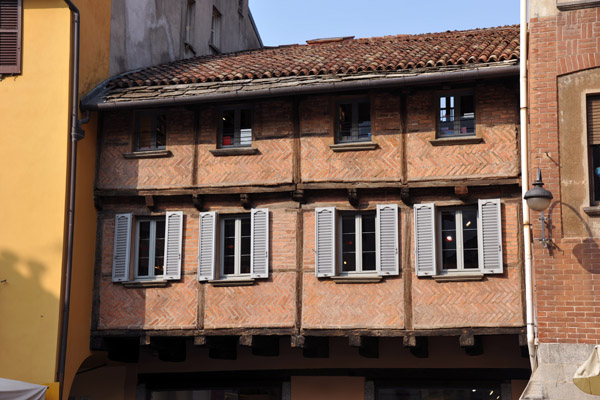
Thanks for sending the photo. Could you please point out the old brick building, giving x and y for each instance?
(564, 110)
(333, 220)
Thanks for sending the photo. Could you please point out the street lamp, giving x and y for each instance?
(538, 199)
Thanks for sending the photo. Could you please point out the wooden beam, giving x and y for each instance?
(246, 340)
(297, 341)
(461, 190)
(145, 340)
(199, 340)
(472, 344)
(150, 203)
(418, 345)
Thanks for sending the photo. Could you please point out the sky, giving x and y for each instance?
(296, 21)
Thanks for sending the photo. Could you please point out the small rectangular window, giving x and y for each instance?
(150, 248)
(235, 127)
(10, 36)
(150, 130)
(593, 128)
(215, 29)
(235, 246)
(456, 115)
(353, 121)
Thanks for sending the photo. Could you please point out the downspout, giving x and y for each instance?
(76, 134)
(531, 345)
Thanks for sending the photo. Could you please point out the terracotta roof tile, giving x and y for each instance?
(339, 56)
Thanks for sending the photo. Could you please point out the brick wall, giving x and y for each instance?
(566, 276)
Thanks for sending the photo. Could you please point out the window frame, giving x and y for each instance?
(354, 130)
(457, 94)
(237, 130)
(237, 246)
(154, 115)
(460, 268)
(358, 237)
(16, 68)
(215, 29)
(152, 249)
(593, 142)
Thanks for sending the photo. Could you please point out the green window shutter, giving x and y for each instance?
(425, 240)
(173, 238)
(122, 248)
(259, 252)
(387, 239)
(490, 236)
(325, 241)
(207, 235)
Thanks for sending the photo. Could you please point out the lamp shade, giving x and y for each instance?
(538, 198)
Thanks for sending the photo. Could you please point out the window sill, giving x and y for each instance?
(356, 279)
(459, 277)
(233, 282)
(148, 154)
(592, 210)
(145, 284)
(234, 151)
(355, 146)
(575, 5)
(453, 141)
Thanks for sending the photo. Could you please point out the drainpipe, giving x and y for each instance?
(531, 345)
(76, 134)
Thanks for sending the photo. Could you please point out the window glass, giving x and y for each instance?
(345, 122)
(459, 239)
(150, 247)
(236, 245)
(354, 121)
(144, 248)
(245, 246)
(469, 233)
(456, 115)
(159, 248)
(348, 243)
(150, 131)
(228, 130)
(368, 243)
(364, 121)
(161, 133)
(449, 259)
(596, 171)
(236, 128)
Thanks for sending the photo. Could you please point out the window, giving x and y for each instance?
(157, 250)
(366, 242)
(243, 243)
(235, 127)
(10, 36)
(353, 121)
(150, 130)
(458, 239)
(593, 128)
(215, 29)
(456, 115)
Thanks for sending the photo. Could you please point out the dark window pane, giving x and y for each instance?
(368, 261)
(348, 224)
(345, 122)
(349, 262)
(469, 239)
(245, 246)
(368, 233)
(448, 220)
(471, 259)
(228, 132)
(161, 131)
(144, 133)
(229, 246)
(245, 226)
(364, 121)
(596, 171)
(228, 265)
(245, 264)
(467, 106)
(449, 259)
(143, 248)
(245, 121)
(160, 229)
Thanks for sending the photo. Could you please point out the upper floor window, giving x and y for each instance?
(235, 127)
(157, 247)
(235, 246)
(10, 36)
(351, 242)
(215, 30)
(150, 130)
(353, 121)
(456, 115)
(458, 239)
(593, 130)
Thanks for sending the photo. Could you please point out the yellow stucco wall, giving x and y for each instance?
(34, 161)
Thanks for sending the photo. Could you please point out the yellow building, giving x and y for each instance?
(35, 109)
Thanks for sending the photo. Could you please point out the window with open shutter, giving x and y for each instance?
(425, 240)
(593, 132)
(122, 248)
(387, 239)
(10, 36)
(490, 256)
(173, 233)
(259, 260)
(206, 254)
(325, 241)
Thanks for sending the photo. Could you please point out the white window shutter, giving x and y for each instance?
(207, 234)
(325, 241)
(425, 240)
(173, 238)
(490, 236)
(122, 251)
(387, 239)
(259, 252)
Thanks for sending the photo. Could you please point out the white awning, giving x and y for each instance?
(587, 377)
(16, 390)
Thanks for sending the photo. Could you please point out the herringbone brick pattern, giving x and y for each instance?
(326, 304)
(494, 301)
(265, 304)
(320, 164)
(172, 307)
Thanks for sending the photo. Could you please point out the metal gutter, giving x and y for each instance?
(76, 133)
(92, 101)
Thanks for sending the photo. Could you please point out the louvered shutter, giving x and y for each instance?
(122, 249)
(207, 233)
(173, 239)
(325, 241)
(490, 237)
(259, 252)
(10, 36)
(425, 240)
(593, 119)
(387, 239)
